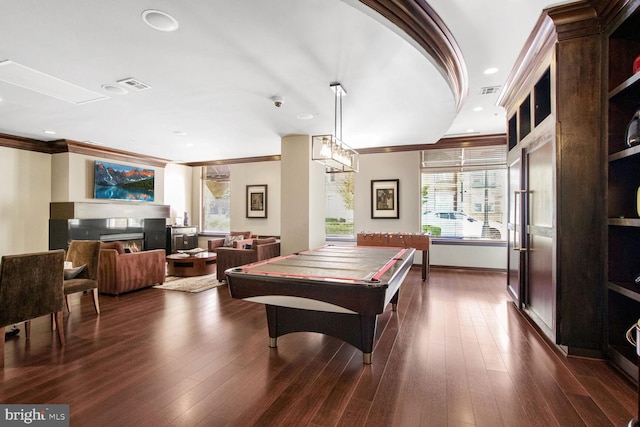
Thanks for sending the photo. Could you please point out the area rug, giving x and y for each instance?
(190, 284)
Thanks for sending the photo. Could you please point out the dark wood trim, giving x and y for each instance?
(20, 143)
(422, 24)
(92, 150)
(598, 13)
(533, 57)
(454, 142)
(65, 145)
(578, 19)
(275, 157)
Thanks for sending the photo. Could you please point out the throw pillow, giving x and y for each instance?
(72, 273)
(230, 240)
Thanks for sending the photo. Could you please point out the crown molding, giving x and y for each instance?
(69, 146)
(453, 142)
(275, 157)
(110, 153)
(65, 145)
(21, 143)
(417, 20)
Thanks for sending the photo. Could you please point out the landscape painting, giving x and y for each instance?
(119, 182)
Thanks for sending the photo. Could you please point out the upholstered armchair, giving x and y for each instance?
(124, 272)
(31, 285)
(259, 249)
(235, 239)
(83, 253)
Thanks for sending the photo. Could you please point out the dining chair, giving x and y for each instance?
(31, 285)
(85, 254)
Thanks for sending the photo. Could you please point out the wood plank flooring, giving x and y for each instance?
(456, 353)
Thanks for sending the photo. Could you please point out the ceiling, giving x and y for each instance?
(212, 81)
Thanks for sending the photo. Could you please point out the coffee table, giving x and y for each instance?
(187, 265)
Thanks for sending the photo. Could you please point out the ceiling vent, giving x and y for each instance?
(490, 90)
(134, 84)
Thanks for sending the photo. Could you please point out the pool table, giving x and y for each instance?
(334, 290)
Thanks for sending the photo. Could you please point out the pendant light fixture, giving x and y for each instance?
(329, 150)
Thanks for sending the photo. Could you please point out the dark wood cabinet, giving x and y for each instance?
(181, 238)
(557, 182)
(622, 101)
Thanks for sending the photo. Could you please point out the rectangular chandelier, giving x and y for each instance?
(335, 155)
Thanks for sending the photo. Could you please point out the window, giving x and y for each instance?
(216, 188)
(339, 213)
(463, 193)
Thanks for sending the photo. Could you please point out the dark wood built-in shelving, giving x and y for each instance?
(622, 41)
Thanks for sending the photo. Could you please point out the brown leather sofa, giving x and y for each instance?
(123, 272)
(259, 250)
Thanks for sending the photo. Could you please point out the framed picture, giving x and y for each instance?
(256, 201)
(384, 198)
(120, 182)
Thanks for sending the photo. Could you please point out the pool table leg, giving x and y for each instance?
(357, 330)
(272, 323)
(394, 300)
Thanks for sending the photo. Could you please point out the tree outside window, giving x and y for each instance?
(339, 213)
(216, 208)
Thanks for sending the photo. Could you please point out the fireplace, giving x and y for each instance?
(141, 224)
(132, 241)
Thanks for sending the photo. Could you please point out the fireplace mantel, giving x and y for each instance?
(91, 210)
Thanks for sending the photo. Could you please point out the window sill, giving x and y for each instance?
(469, 242)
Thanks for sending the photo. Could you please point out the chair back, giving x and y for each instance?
(31, 285)
(85, 252)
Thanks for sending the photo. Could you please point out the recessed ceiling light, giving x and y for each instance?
(307, 116)
(492, 70)
(179, 133)
(190, 144)
(477, 109)
(114, 89)
(49, 132)
(159, 20)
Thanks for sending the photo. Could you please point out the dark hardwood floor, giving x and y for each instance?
(456, 353)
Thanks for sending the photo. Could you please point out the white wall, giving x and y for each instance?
(178, 194)
(69, 177)
(259, 173)
(405, 166)
(24, 203)
(452, 255)
(303, 204)
(73, 178)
